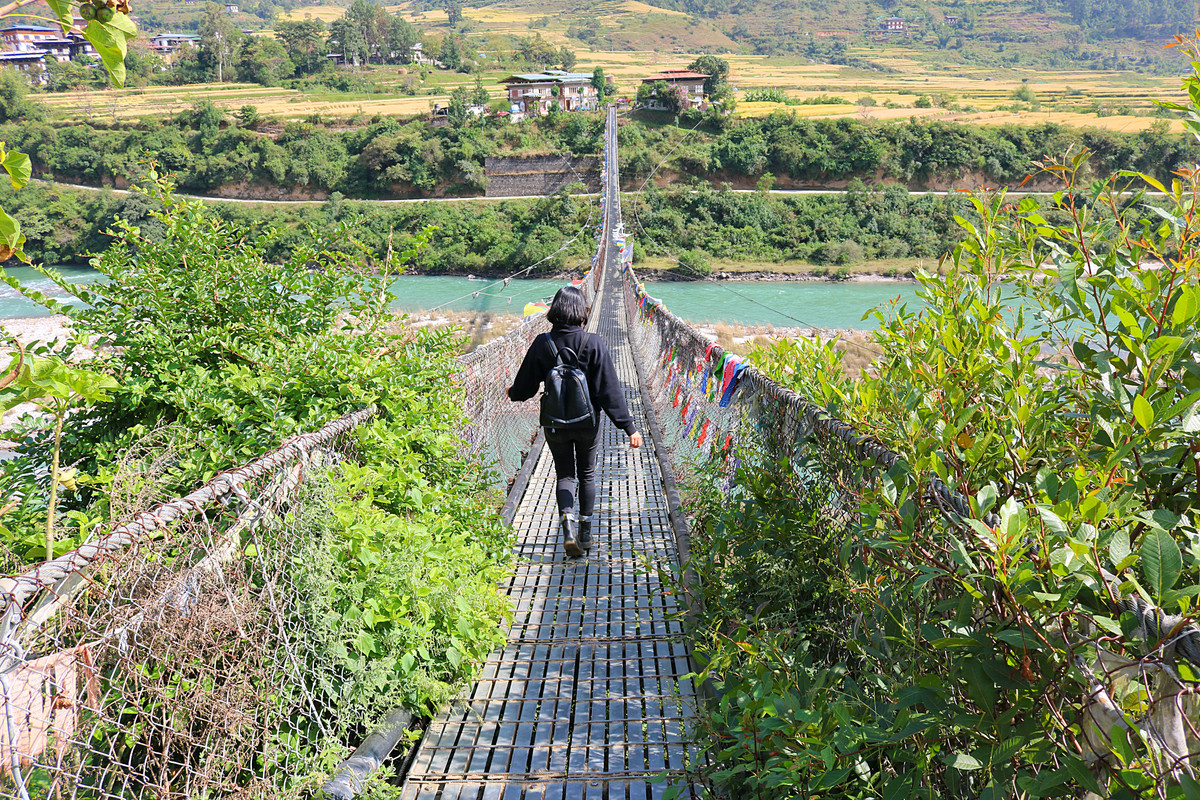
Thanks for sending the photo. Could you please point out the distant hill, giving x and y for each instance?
(1107, 34)
(1038, 32)
(1052, 34)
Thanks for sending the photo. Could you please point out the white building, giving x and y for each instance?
(535, 92)
(171, 42)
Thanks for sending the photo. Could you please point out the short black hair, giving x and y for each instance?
(569, 307)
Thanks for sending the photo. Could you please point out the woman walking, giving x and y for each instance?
(574, 444)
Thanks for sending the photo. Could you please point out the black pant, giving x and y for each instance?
(575, 464)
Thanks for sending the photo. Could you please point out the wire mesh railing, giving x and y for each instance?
(184, 653)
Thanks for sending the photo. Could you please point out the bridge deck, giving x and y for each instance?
(587, 699)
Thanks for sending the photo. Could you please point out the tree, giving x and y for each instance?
(536, 50)
(141, 63)
(451, 53)
(566, 57)
(372, 24)
(454, 13)
(248, 116)
(14, 97)
(346, 38)
(479, 95)
(219, 43)
(599, 84)
(723, 97)
(717, 70)
(265, 62)
(458, 110)
(304, 42)
(944, 34)
(402, 36)
(670, 97)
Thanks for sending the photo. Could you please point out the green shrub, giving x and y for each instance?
(229, 354)
(843, 252)
(694, 264)
(958, 659)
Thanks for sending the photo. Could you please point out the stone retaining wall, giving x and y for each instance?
(510, 176)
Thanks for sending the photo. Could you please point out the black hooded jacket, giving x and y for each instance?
(593, 358)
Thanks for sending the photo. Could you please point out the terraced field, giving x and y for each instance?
(157, 101)
(1112, 100)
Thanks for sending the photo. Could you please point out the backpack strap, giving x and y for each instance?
(557, 354)
(554, 352)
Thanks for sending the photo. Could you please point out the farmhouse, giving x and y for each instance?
(952, 20)
(894, 24)
(32, 40)
(31, 62)
(26, 38)
(536, 92)
(232, 8)
(171, 42)
(690, 83)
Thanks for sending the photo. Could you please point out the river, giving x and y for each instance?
(781, 303)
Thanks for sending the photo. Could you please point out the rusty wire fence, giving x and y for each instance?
(188, 652)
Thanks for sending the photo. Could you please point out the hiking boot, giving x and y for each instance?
(585, 532)
(570, 531)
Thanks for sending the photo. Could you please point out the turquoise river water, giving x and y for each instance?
(781, 303)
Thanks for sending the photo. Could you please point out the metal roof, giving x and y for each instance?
(677, 75)
(549, 76)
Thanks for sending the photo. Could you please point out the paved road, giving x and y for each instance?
(216, 199)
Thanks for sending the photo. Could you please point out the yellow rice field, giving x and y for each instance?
(323, 13)
(272, 102)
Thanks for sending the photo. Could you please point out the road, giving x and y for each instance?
(216, 199)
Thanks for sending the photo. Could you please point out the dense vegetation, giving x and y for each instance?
(1133, 17)
(204, 149)
(915, 153)
(826, 229)
(208, 355)
(868, 641)
(64, 225)
(502, 237)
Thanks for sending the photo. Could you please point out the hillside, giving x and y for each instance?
(1046, 34)
(1102, 34)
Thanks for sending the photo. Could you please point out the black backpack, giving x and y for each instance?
(566, 401)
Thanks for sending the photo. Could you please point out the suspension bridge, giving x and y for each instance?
(590, 696)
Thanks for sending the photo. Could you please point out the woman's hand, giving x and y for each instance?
(635, 439)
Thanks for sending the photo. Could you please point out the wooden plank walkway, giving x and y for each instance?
(588, 698)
